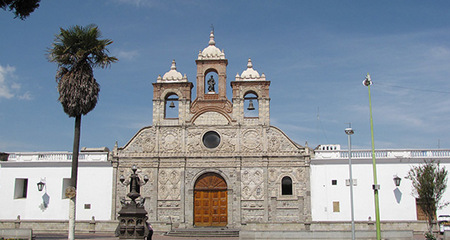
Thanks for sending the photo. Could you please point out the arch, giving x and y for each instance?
(286, 186)
(251, 104)
(210, 200)
(205, 171)
(210, 181)
(209, 70)
(251, 89)
(211, 109)
(171, 105)
(167, 92)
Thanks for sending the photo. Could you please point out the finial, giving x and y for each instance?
(249, 64)
(211, 39)
(173, 67)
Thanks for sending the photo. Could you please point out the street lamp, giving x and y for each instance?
(133, 216)
(367, 82)
(349, 131)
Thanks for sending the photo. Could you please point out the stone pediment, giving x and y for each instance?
(143, 142)
(232, 141)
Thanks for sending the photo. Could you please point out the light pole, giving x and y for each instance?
(367, 82)
(133, 217)
(349, 131)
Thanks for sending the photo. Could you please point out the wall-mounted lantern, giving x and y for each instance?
(397, 180)
(40, 185)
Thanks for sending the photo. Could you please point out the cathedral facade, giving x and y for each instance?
(215, 162)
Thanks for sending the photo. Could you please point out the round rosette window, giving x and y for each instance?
(211, 139)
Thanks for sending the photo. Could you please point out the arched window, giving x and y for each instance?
(286, 186)
(171, 106)
(251, 106)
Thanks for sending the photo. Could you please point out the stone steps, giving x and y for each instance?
(204, 232)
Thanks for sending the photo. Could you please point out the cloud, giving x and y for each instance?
(128, 55)
(6, 73)
(25, 96)
(138, 3)
(10, 89)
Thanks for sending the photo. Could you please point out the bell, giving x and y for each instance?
(250, 106)
(172, 105)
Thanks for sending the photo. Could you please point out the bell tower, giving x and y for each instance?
(211, 82)
(171, 98)
(251, 101)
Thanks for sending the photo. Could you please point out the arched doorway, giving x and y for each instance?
(210, 201)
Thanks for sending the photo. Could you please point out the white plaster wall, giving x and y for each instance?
(395, 204)
(94, 187)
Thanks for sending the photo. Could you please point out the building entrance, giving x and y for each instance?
(210, 201)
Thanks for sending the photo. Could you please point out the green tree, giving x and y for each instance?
(429, 182)
(77, 50)
(21, 8)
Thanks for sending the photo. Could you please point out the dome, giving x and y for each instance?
(173, 75)
(211, 52)
(250, 74)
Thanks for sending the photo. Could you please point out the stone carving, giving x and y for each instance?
(228, 138)
(194, 140)
(300, 173)
(273, 175)
(252, 184)
(195, 144)
(253, 204)
(168, 204)
(170, 140)
(274, 144)
(252, 215)
(144, 142)
(169, 184)
(279, 142)
(169, 215)
(251, 141)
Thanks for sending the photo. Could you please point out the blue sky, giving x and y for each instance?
(315, 53)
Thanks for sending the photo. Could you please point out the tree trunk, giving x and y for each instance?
(430, 226)
(74, 177)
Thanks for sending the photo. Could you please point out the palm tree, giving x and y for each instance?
(77, 50)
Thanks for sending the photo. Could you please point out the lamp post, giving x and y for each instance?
(367, 82)
(132, 216)
(349, 131)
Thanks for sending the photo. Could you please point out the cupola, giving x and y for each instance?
(211, 52)
(172, 76)
(250, 74)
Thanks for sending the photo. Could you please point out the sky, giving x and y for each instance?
(315, 53)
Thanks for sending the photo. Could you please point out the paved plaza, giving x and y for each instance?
(156, 236)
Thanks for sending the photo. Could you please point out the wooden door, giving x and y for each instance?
(210, 201)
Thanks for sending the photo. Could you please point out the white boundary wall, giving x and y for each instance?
(95, 178)
(396, 203)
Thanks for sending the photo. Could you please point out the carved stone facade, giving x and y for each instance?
(266, 174)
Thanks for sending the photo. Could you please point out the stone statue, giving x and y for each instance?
(211, 84)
